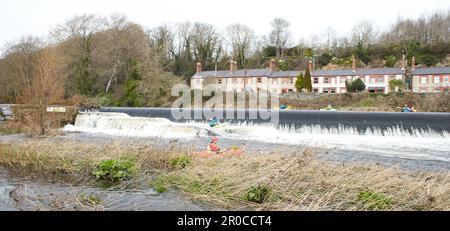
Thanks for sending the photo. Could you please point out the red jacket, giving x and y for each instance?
(213, 147)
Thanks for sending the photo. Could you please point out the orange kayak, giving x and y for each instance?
(227, 153)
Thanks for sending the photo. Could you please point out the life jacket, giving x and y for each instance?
(213, 147)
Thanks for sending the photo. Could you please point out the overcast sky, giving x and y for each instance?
(36, 17)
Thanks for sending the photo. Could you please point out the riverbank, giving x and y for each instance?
(438, 102)
(296, 181)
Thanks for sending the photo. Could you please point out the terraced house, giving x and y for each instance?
(323, 81)
(251, 80)
(375, 79)
(427, 80)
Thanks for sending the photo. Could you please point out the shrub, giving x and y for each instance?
(115, 170)
(180, 162)
(374, 201)
(257, 194)
(159, 185)
(358, 85)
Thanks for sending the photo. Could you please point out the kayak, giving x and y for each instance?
(220, 125)
(223, 154)
(328, 110)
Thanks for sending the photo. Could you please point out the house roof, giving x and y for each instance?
(317, 73)
(280, 74)
(234, 74)
(332, 73)
(432, 71)
(349, 72)
(380, 71)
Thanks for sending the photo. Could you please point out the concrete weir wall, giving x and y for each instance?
(362, 121)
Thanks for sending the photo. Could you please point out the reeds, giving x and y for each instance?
(278, 181)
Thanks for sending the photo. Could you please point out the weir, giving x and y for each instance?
(361, 122)
(423, 136)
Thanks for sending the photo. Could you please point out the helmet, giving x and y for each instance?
(214, 139)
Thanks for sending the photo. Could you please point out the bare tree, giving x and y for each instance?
(280, 34)
(330, 37)
(20, 59)
(206, 44)
(241, 38)
(364, 33)
(163, 38)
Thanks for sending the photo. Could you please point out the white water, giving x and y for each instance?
(395, 142)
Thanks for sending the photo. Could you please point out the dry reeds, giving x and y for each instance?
(283, 181)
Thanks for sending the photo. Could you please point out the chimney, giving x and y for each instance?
(354, 64)
(413, 64)
(199, 67)
(233, 66)
(310, 65)
(273, 65)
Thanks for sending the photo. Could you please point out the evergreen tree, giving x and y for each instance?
(132, 98)
(307, 84)
(299, 84)
(358, 85)
(348, 86)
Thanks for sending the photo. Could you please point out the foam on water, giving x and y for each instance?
(119, 124)
(395, 141)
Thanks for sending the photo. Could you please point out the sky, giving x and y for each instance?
(36, 17)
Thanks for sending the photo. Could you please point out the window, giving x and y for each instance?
(292, 80)
(235, 81)
(316, 80)
(291, 90)
(327, 80)
(220, 81)
(259, 80)
(275, 81)
(380, 79)
(372, 80)
(446, 79)
(343, 80)
(315, 90)
(326, 90)
(437, 79)
(423, 80)
(333, 90)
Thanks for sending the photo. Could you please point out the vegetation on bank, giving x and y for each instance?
(438, 102)
(295, 181)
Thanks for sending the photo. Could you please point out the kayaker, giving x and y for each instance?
(406, 108)
(213, 122)
(213, 147)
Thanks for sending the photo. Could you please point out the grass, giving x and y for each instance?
(11, 127)
(374, 201)
(268, 182)
(91, 200)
